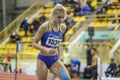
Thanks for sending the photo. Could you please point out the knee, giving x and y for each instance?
(64, 75)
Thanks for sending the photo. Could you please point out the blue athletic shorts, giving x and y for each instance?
(48, 60)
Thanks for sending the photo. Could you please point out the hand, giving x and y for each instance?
(51, 51)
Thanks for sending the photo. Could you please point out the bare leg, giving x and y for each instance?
(41, 70)
(55, 68)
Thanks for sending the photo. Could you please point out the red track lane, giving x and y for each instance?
(10, 76)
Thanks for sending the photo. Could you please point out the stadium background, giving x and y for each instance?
(106, 40)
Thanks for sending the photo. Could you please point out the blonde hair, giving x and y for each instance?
(58, 7)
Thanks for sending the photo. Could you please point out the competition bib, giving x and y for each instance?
(52, 41)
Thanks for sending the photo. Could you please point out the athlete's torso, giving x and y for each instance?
(51, 38)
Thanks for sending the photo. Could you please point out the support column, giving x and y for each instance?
(4, 12)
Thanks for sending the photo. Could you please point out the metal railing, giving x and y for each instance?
(115, 34)
(79, 50)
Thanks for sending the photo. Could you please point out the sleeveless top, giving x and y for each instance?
(51, 38)
(66, 59)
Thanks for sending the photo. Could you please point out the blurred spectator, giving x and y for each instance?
(86, 11)
(7, 61)
(69, 22)
(112, 24)
(32, 28)
(36, 24)
(26, 26)
(75, 67)
(94, 64)
(111, 69)
(74, 3)
(67, 59)
(103, 10)
(42, 18)
(77, 10)
(117, 72)
(38, 21)
(14, 37)
(109, 3)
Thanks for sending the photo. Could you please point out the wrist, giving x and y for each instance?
(44, 49)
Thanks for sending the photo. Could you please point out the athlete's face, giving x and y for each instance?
(59, 16)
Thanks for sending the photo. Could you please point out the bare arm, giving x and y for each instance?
(95, 63)
(63, 28)
(42, 29)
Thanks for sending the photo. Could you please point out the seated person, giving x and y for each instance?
(112, 24)
(14, 37)
(111, 69)
(117, 72)
(77, 10)
(86, 11)
(94, 64)
(66, 59)
(75, 67)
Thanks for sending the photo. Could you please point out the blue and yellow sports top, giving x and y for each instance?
(51, 38)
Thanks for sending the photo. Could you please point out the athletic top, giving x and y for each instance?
(66, 59)
(51, 38)
(75, 61)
